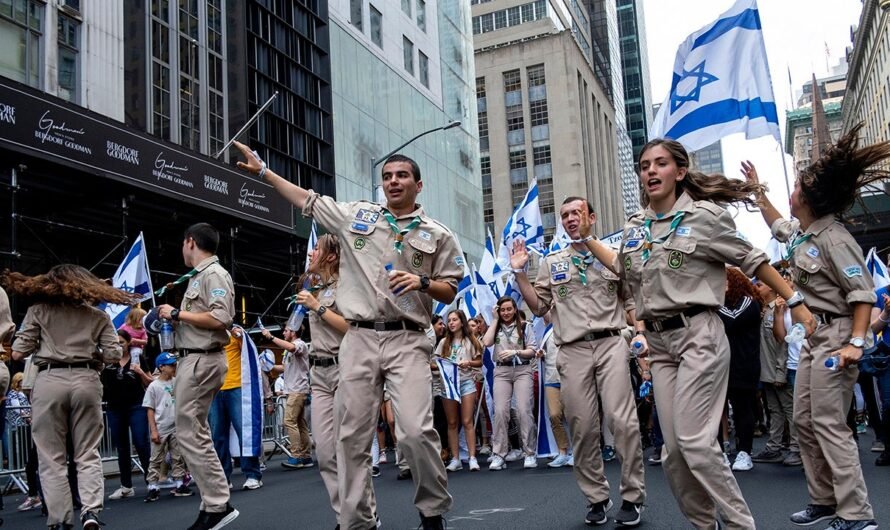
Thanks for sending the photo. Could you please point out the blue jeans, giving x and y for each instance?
(225, 411)
(123, 423)
(791, 376)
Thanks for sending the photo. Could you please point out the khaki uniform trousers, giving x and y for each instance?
(830, 456)
(401, 359)
(198, 378)
(690, 374)
(780, 402)
(295, 423)
(68, 400)
(514, 381)
(159, 455)
(590, 371)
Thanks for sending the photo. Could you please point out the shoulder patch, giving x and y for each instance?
(217, 292)
(852, 271)
(459, 261)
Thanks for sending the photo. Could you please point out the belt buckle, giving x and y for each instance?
(379, 326)
(657, 326)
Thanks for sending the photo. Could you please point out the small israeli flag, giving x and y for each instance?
(312, 242)
(132, 276)
(450, 375)
(525, 224)
(877, 269)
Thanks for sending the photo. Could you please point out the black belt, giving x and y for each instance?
(826, 318)
(56, 366)
(189, 351)
(597, 335)
(323, 362)
(511, 363)
(677, 321)
(395, 325)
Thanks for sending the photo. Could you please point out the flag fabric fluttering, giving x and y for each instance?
(489, 268)
(484, 296)
(251, 399)
(877, 269)
(450, 375)
(525, 224)
(132, 276)
(546, 441)
(311, 243)
(721, 83)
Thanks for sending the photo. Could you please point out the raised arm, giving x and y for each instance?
(488, 338)
(518, 262)
(290, 191)
(603, 253)
(767, 210)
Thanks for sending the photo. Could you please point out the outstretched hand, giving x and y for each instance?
(252, 164)
(586, 227)
(519, 256)
(749, 172)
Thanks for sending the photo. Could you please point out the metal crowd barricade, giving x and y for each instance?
(274, 433)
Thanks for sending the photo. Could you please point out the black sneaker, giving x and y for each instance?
(375, 471)
(215, 521)
(629, 514)
(90, 521)
(812, 515)
(183, 491)
(840, 523)
(883, 459)
(768, 456)
(434, 522)
(153, 495)
(597, 514)
(404, 474)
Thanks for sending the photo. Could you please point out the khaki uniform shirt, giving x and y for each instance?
(828, 268)
(773, 355)
(211, 290)
(578, 309)
(325, 338)
(67, 334)
(367, 246)
(7, 326)
(507, 338)
(689, 268)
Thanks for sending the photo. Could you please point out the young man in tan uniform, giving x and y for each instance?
(206, 312)
(588, 312)
(396, 260)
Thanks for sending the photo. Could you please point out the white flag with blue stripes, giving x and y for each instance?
(450, 375)
(312, 243)
(251, 398)
(525, 224)
(484, 296)
(131, 276)
(877, 269)
(721, 83)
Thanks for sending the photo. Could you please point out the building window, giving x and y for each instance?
(421, 15)
(21, 25)
(518, 176)
(514, 118)
(487, 198)
(68, 53)
(424, 64)
(482, 113)
(408, 52)
(355, 13)
(377, 27)
(512, 16)
(160, 77)
(512, 81)
(406, 7)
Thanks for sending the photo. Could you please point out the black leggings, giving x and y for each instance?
(742, 401)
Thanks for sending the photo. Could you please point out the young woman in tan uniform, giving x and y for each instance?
(673, 259)
(830, 271)
(64, 331)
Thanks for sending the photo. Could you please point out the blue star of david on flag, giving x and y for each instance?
(523, 228)
(525, 224)
(701, 77)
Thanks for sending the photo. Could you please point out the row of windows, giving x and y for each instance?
(513, 16)
(356, 18)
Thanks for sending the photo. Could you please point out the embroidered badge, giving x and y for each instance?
(367, 216)
(359, 243)
(632, 243)
(196, 284)
(628, 263)
(426, 236)
(852, 271)
(459, 261)
(360, 227)
(559, 266)
(559, 277)
(803, 278)
(813, 252)
(683, 231)
(562, 291)
(217, 292)
(612, 287)
(636, 233)
(417, 260)
(328, 293)
(675, 259)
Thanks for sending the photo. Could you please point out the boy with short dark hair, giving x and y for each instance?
(161, 407)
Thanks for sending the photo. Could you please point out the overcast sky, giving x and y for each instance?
(796, 32)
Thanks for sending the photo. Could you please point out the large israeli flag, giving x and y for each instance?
(484, 296)
(877, 269)
(131, 276)
(489, 268)
(312, 243)
(721, 83)
(251, 398)
(525, 224)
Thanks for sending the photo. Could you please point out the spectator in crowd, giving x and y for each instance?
(161, 411)
(879, 326)
(553, 395)
(18, 416)
(123, 384)
(138, 334)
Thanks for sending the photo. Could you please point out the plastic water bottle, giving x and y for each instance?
(295, 322)
(166, 336)
(645, 389)
(833, 363)
(636, 348)
(796, 334)
(403, 302)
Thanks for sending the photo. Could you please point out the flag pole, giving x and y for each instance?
(151, 287)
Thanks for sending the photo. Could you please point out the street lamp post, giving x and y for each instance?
(377, 161)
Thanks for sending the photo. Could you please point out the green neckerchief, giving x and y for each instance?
(647, 227)
(184, 278)
(291, 300)
(400, 233)
(581, 263)
(798, 241)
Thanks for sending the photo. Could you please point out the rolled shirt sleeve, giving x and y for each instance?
(726, 244)
(851, 273)
(448, 262)
(27, 339)
(782, 229)
(107, 340)
(530, 340)
(329, 213)
(220, 296)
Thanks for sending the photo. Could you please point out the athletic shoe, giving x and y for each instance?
(726, 459)
(383, 459)
(183, 491)
(843, 524)
(454, 465)
(435, 522)
(768, 456)
(497, 463)
(726, 447)
(792, 459)
(485, 451)
(31, 503)
(629, 514)
(877, 446)
(571, 461)
(231, 486)
(531, 462)
(215, 521)
(307, 461)
(559, 461)
(883, 459)
(90, 521)
(121, 493)
(655, 459)
(292, 463)
(404, 474)
(813, 514)
(474, 464)
(608, 453)
(742, 462)
(375, 471)
(597, 513)
(514, 456)
(153, 495)
(252, 484)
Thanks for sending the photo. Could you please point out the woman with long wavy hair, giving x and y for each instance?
(63, 330)
(830, 271)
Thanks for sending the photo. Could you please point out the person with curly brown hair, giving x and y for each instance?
(64, 330)
(830, 271)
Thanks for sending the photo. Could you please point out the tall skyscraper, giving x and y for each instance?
(635, 70)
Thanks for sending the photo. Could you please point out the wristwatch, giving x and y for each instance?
(321, 310)
(174, 315)
(424, 282)
(857, 342)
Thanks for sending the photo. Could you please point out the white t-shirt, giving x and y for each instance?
(279, 385)
(794, 347)
(159, 397)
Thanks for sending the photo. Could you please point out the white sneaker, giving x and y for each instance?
(531, 462)
(252, 484)
(454, 465)
(571, 461)
(559, 461)
(742, 462)
(382, 459)
(121, 493)
(514, 456)
(497, 463)
(485, 451)
(474, 465)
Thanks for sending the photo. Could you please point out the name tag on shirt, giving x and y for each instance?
(559, 266)
(632, 243)
(367, 216)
